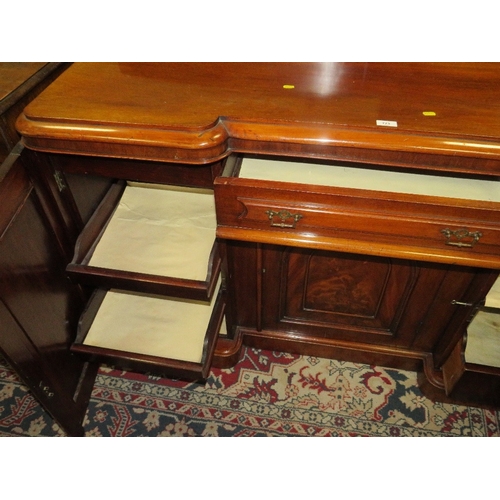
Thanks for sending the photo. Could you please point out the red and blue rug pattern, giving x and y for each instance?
(265, 394)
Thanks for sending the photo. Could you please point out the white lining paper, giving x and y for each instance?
(483, 340)
(160, 230)
(152, 325)
(483, 334)
(369, 179)
(493, 297)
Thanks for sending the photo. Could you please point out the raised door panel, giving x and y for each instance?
(338, 296)
(346, 289)
(375, 310)
(33, 279)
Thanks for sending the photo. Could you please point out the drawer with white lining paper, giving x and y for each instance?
(151, 333)
(151, 238)
(360, 208)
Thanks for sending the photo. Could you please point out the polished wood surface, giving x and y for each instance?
(446, 114)
(355, 307)
(14, 74)
(365, 276)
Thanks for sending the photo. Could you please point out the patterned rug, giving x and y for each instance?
(265, 394)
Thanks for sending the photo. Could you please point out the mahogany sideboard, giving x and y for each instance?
(344, 210)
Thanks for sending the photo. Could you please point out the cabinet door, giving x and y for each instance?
(41, 302)
(362, 299)
(334, 295)
(20, 352)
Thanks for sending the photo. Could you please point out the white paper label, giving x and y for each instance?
(386, 123)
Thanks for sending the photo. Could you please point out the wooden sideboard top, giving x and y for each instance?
(442, 115)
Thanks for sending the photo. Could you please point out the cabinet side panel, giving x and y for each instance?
(243, 290)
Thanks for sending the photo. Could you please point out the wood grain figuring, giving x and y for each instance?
(197, 113)
(339, 285)
(338, 295)
(369, 271)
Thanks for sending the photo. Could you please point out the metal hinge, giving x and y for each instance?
(61, 185)
(46, 389)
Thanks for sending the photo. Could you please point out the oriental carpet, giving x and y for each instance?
(265, 394)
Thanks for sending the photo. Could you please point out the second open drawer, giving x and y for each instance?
(151, 333)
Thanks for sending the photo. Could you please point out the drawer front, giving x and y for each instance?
(390, 224)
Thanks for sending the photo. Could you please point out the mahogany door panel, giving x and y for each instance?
(324, 288)
(34, 284)
(358, 298)
(328, 294)
(18, 350)
(42, 307)
(244, 283)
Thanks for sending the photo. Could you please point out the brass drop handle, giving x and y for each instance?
(283, 216)
(462, 238)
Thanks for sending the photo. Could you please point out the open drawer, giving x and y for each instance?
(164, 335)
(472, 372)
(360, 208)
(153, 239)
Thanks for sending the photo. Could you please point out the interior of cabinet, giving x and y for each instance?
(483, 334)
(493, 298)
(483, 340)
(374, 179)
(471, 374)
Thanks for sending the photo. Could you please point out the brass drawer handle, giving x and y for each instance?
(283, 215)
(456, 238)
